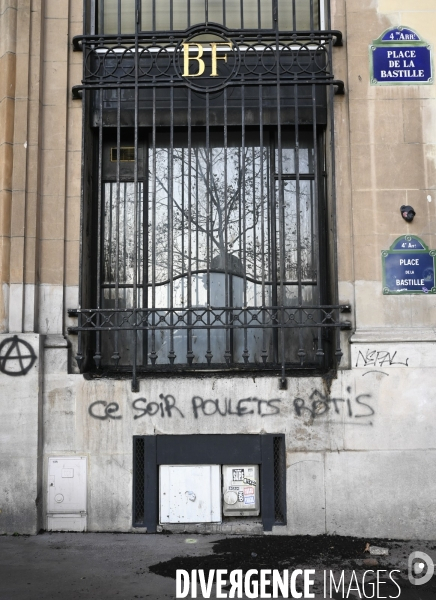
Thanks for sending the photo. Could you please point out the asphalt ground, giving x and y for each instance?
(105, 566)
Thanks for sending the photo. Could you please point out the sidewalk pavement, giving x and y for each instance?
(106, 566)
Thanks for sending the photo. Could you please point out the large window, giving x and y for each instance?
(208, 213)
(226, 227)
(123, 16)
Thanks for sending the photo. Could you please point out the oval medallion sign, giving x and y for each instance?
(207, 60)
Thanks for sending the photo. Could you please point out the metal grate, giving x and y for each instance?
(213, 249)
(279, 479)
(138, 480)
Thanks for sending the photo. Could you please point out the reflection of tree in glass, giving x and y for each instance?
(305, 256)
(223, 197)
(229, 227)
(119, 244)
(217, 195)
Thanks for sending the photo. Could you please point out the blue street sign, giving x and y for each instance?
(402, 64)
(400, 57)
(408, 267)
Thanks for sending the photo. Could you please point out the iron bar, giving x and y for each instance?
(190, 353)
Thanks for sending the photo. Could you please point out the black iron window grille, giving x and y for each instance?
(208, 236)
(138, 480)
(279, 451)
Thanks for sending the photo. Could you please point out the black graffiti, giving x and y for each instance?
(321, 404)
(375, 371)
(241, 408)
(108, 412)
(168, 406)
(12, 350)
(378, 358)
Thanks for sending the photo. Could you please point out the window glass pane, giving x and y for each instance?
(233, 14)
(108, 16)
(266, 13)
(180, 14)
(303, 14)
(302, 10)
(128, 16)
(251, 14)
(147, 17)
(158, 12)
(119, 241)
(305, 153)
(210, 234)
(215, 11)
(162, 15)
(156, 15)
(198, 14)
(298, 233)
(207, 189)
(285, 15)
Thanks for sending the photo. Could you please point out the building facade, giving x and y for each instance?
(217, 271)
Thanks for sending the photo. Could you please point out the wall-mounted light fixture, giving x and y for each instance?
(407, 212)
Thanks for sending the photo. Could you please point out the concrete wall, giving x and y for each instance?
(21, 431)
(360, 459)
(361, 454)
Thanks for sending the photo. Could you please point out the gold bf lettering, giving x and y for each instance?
(201, 64)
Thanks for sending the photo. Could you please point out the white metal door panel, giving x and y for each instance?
(67, 484)
(190, 494)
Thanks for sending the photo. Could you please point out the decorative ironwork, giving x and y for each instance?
(252, 317)
(255, 58)
(208, 247)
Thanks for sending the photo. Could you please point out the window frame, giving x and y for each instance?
(317, 9)
(270, 287)
(92, 321)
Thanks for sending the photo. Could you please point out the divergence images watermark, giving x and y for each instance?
(272, 583)
(421, 568)
(299, 583)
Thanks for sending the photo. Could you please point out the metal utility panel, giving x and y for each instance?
(241, 490)
(190, 494)
(66, 506)
(67, 484)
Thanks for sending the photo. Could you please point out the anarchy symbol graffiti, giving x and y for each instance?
(17, 357)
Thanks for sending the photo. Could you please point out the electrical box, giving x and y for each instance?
(66, 502)
(241, 491)
(190, 493)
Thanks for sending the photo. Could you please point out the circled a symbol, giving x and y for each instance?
(17, 357)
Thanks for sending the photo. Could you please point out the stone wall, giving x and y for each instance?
(361, 452)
